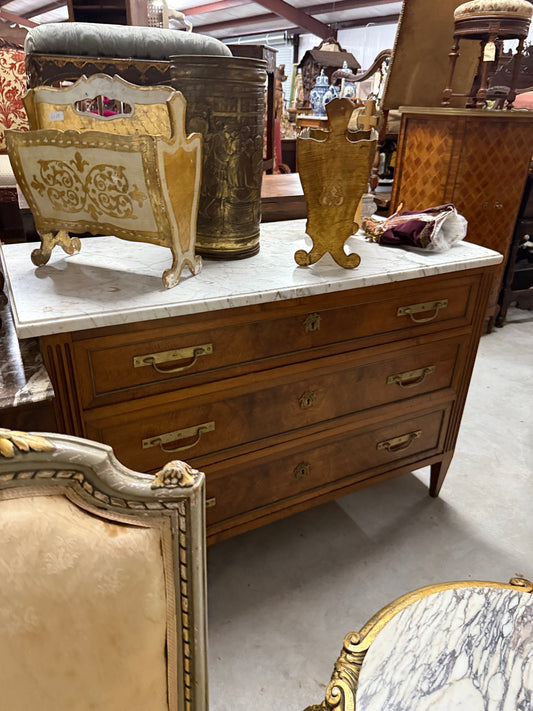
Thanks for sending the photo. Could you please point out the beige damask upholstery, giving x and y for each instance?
(102, 601)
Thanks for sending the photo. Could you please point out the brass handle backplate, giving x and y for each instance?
(411, 378)
(396, 444)
(308, 399)
(162, 439)
(312, 323)
(422, 308)
(498, 205)
(209, 503)
(301, 470)
(154, 359)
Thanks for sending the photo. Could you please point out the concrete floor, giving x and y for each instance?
(282, 598)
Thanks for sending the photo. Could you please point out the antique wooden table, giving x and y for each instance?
(282, 198)
(288, 386)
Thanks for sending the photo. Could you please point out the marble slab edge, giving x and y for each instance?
(411, 269)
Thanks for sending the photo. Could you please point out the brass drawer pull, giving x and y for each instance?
(422, 308)
(196, 431)
(312, 323)
(307, 399)
(301, 470)
(398, 443)
(209, 503)
(411, 378)
(153, 359)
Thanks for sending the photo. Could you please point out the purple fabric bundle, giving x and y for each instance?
(434, 228)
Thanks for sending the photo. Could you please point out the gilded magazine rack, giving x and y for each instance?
(131, 171)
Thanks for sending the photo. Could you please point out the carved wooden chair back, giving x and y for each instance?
(102, 602)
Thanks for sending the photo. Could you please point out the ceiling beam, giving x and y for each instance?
(347, 5)
(16, 19)
(232, 26)
(363, 22)
(213, 7)
(44, 8)
(238, 22)
(299, 18)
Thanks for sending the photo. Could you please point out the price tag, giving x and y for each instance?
(56, 116)
(489, 55)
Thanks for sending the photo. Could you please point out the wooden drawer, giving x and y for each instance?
(234, 490)
(203, 420)
(129, 365)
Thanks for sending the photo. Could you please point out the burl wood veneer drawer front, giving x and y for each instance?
(199, 421)
(312, 468)
(128, 365)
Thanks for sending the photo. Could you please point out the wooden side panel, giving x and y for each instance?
(490, 182)
(57, 357)
(425, 150)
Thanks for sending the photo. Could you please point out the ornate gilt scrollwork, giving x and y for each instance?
(340, 694)
(104, 190)
(12, 441)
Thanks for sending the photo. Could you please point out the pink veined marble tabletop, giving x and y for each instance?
(465, 649)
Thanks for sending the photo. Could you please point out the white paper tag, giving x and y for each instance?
(56, 116)
(489, 55)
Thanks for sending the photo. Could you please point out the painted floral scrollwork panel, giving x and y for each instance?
(103, 190)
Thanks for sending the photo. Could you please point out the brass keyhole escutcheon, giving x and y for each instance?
(312, 323)
(301, 470)
(307, 399)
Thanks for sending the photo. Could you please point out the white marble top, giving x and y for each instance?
(112, 281)
(466, 649)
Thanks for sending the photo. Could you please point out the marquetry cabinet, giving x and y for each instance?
(477, 160)
(286, 404)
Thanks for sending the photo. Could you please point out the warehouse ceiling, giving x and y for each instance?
(231, 18)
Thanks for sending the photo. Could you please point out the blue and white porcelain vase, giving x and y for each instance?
(316, 95)
(331, 93)
(348, 89)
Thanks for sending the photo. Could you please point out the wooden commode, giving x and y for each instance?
(287, 386)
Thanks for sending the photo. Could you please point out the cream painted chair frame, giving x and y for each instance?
(88, 475)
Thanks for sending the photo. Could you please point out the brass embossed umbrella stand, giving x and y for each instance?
(226, 104)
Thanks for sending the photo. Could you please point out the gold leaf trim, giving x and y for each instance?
(12, 441)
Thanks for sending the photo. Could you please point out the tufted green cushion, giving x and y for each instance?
(92, 39)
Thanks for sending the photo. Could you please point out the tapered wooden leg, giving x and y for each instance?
(517, 63)
(481, 95)
(454, 54)
(438, 473)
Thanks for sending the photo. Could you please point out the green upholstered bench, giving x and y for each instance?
(65, 51)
